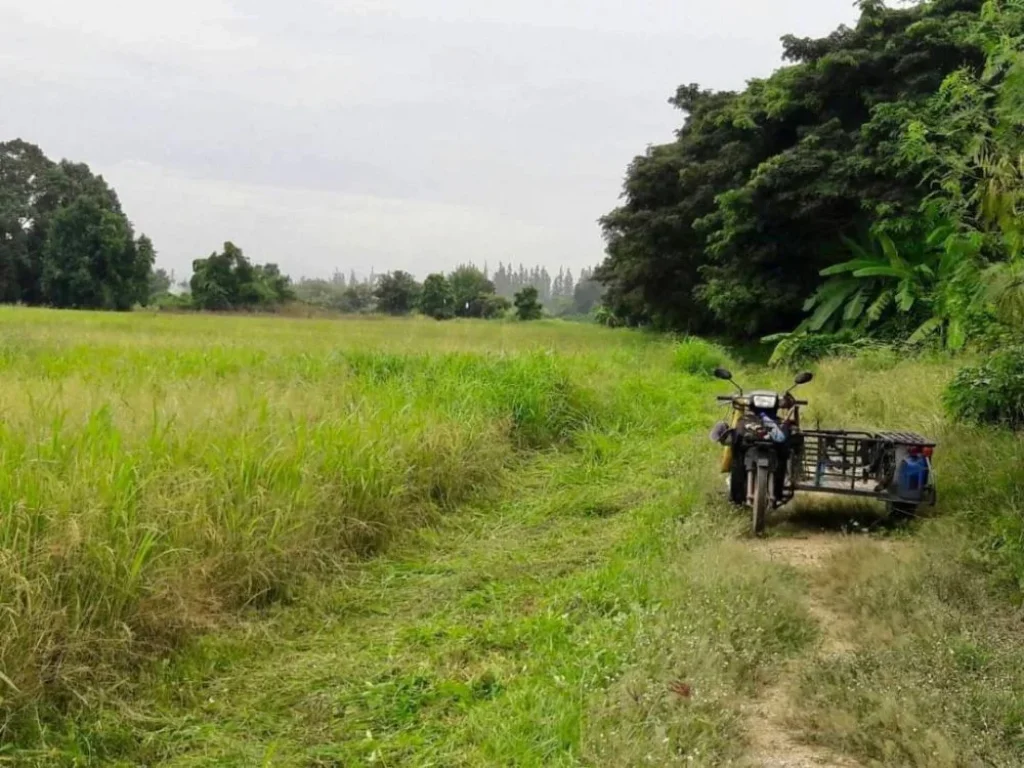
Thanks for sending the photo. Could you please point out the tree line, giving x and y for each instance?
(66, 242)
(467, 291)
(871, 185)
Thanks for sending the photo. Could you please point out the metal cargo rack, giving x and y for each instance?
(855, 463)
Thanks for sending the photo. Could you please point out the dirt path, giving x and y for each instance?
(773, 745)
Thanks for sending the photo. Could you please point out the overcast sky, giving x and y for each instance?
(398, 134)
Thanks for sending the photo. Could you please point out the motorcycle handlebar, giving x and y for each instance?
(725, 398)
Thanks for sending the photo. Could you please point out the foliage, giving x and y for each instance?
(696, 356)
(799, 349)
(990, 393)
(587, 294)
(491, 306)
(357, 299)
(437, 300)
(228, 280)
(327, 294)
(160, 282)
(526, 304)
(603, 315)
(937, 283)
(729, 227)
(474, 294)
(13, 255)
(64, 240)
(397, 293)
(90, 260)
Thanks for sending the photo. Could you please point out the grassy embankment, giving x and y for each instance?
(245, 541)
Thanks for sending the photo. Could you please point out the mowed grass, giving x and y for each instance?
(259, 541)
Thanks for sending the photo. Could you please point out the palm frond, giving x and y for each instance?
(878, 307)
(851, 266)
(855, 306)
(830, 305)
(926, 329)
(897, 272)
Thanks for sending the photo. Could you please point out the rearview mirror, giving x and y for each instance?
(803, 378)
(723, 373)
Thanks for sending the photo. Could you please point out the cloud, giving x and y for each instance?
(312, 232)
(425, 123)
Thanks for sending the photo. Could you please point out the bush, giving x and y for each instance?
(797, 350)
(990, 393)
(171, 301)
(698, 357)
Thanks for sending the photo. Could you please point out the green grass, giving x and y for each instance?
(262, 541)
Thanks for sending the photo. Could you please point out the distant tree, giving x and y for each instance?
(397, 293)
(278, 284)
(145, 257)
(471, 290)
(492, 306)
(357, 298)
(587, 293)
(215, 279)
(159, 283)
(503, 280)
(527, 305)
(437, 300)
(329, 294)
(229, 280)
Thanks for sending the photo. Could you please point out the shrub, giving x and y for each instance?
(797, 350)
(698, 357)
(990, 393)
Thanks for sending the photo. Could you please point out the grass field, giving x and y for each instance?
(247, 541)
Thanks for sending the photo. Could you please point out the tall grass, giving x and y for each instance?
(157, 474)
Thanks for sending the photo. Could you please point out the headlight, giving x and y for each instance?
(765, 402)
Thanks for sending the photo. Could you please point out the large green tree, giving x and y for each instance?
(43, 259)
(729, 227)
(90, 260)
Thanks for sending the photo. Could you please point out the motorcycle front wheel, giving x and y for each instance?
(759, 510)
(738, 482)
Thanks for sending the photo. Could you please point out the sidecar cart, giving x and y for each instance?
(894, 467)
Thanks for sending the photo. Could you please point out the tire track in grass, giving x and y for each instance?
(772, 743)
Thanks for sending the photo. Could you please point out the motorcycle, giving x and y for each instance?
(769, 457)
(762, 438)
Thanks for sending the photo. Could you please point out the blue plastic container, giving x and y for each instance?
(912, 478)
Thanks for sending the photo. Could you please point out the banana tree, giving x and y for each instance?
(935, 282)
